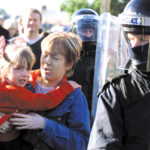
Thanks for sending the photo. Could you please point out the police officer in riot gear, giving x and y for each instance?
(122, 119)
(84, 23)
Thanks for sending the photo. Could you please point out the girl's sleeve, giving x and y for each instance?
(12, 98)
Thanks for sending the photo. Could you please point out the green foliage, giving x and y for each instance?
(96, 6)
(2, 11)
(117, 6)
(71, 6)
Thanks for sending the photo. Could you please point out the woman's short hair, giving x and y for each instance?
(64, 43)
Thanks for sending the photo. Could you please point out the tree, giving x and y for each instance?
(71, 6)
(96, 5)
(117, 6)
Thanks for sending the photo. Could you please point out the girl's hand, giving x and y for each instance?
(74, 84)
(27, 121)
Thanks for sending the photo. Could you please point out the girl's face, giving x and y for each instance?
(18, 75)
(53, 67)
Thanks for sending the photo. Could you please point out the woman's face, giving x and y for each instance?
(53, 67)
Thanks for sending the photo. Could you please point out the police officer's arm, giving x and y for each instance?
(107, 130)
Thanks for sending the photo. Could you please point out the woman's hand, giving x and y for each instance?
(5, 127)
(74, 84)
(27, 121)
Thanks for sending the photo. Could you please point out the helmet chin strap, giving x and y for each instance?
(128, 65)
(148, 57)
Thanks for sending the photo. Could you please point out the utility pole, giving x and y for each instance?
(105, 6)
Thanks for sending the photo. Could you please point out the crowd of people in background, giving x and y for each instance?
(14, 26)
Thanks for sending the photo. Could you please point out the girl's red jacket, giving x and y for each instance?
(13, 98)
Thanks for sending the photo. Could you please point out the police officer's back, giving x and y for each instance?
(122, 118)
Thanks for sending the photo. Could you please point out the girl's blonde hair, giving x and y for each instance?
(67, 44)
(17, 55)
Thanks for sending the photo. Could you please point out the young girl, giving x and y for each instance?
(16, 64)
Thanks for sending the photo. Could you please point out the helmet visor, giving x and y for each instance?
(86, 29)
(137, 49)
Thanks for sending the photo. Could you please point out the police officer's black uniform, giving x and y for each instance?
(84, 70)
(122, 119)
(123, 114)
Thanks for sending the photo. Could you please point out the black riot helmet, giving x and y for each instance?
(135, 22)
(84, 22)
